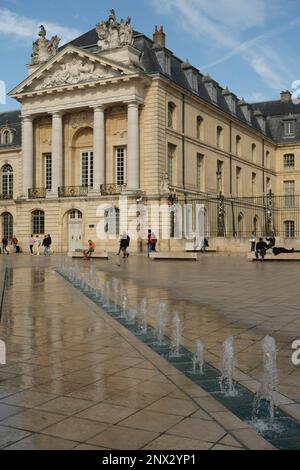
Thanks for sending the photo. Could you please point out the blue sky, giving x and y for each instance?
(249, 45)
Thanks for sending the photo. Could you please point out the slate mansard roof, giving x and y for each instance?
(274, 111)
(11, 119)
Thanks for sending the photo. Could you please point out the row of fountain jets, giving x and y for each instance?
(115, 299)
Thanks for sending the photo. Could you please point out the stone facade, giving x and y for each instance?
(123, 102)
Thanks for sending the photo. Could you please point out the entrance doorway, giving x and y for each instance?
(75, 231)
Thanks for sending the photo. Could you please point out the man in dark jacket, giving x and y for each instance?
(261, 248)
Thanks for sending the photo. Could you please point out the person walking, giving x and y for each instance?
(49, 244)
(45, 245)
(31, 244)
(124, 244)
(14, 243)
(4, 245)
(37, 243)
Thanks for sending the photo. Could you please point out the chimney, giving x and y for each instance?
(159, 38)
(286, 96)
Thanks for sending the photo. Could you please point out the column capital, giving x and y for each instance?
(57, 114)
(99, 108)
(134, 103)
(27, 118)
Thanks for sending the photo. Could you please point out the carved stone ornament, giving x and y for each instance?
(112, 35)
(81, 119)
(165, 184)
(44, 49)
(74, 72)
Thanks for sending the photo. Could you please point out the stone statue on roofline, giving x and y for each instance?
(112, 34)
(44, 49)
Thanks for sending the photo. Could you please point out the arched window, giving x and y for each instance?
(254, 153)
(289, 229)
(267, 162)
(7, 181)
(240, 224)
(199, 128)
(75, 215)
(6, 138)
(219, 137)
(112, 221)
(171, 115)
(238, 141)
(7, 225)
(38, 222)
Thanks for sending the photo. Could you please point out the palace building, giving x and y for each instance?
(114, 113)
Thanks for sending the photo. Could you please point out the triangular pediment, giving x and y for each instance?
(70, 67)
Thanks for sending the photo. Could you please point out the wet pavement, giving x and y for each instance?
(76, 379)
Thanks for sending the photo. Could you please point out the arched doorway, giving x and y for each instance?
(75, 229)
(7, 225)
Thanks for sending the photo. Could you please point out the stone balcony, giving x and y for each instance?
(112, 189)
(73, 191)
(37, 193)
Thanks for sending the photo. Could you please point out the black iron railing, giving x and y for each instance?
(73, 191)
(6, 196)
(37, 193)
(112, 189)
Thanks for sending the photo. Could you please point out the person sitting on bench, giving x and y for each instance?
(261, 249)
(88, 253)
(279, 250)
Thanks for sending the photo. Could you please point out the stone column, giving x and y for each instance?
(57, 151)
(27, 149)
(133, 147)
(99, 148)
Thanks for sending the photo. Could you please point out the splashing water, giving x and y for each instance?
(124, 303)
(198, 359)
(106, 295)
(263, 413)
(143, 325)
(160, 322)
(227, 384)
(132, 314)
(176, 336)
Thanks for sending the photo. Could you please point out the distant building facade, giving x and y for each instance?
(113, 114)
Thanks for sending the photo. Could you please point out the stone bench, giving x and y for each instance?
(79, 255)
(173, 255)
(282, 257)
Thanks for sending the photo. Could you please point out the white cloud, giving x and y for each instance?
(16, 25)
(223, 23)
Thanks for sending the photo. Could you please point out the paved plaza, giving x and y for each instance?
(77, 379)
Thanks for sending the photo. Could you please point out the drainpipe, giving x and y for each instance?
(183, 141)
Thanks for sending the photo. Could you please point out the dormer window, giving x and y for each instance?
(289, 128)
(211, 88)
(7, 136)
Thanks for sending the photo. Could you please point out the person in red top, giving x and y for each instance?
(88, 253)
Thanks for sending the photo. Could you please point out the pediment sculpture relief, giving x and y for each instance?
(44, 49)
(113, 34)
(74, 72)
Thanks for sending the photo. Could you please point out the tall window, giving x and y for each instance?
(7, 225)
(219, 176)
(87, 169)
(219, 137)
(267, 162)
(48, 171)
(7, 177)
(200, 160)
(268, 184)
(6, 138)
(289, 193)
(289, 229)
(38, 222)
(199, 128)
(121, 165)
(112, 221)
(254, 153)
(289, 128)
(238, 141)
(253, 184)
(238, 173)
(171, 115)
(171, 157)
(289, 160)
